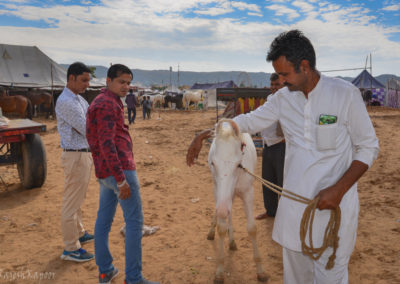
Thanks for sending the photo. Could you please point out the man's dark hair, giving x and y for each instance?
(77, 68)
(294, 46)
(274, 77)
(117, 69)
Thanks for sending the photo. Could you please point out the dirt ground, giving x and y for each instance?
(179, 200)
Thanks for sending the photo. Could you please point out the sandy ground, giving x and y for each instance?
(179, 200)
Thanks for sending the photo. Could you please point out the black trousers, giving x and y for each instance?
(273, 159)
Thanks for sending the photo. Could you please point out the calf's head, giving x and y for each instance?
(225, 156)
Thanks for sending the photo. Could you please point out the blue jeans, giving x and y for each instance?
(133, 215)
(131, 115)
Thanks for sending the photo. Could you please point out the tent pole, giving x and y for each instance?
(370, 66)
(52, 91)
(216, 102)
(366, 62)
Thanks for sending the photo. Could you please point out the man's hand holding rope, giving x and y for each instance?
(330, 197)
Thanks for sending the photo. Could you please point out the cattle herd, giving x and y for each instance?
(32, 102)
(26, 103)
(186, 100)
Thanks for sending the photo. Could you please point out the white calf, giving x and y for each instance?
(229, 149)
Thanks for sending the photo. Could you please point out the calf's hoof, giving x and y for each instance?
(218, 280)
(262, 277)
(232, 245)
(210, 237)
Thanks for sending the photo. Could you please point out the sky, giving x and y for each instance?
(206, 35)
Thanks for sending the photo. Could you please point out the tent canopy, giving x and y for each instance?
(207, 86)
(172, 89)
(28, 66)
(366, 81)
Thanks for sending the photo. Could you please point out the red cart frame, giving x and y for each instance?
(21, 144)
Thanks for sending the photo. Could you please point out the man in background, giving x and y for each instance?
(273, 158)
(76, 160)
(148, 104)
(130, 101)
(145, 104)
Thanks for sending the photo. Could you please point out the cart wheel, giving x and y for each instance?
(32, 164)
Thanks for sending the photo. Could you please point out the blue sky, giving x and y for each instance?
(205, 35)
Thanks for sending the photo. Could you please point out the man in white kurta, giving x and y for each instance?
(330, 143)
(317, 155)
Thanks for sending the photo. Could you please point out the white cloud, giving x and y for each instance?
(392, 8)
(303, 5)
(281, 10)
(331, 7)
(255, 14)
(154, 34)
(245, 6)
(215, 11)
(355, 14)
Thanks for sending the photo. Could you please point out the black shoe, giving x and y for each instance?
(86, 238)
(105, 278)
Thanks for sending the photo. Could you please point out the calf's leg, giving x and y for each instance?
(252, 231)
(211, 232)
(232, 243)
(221, 228)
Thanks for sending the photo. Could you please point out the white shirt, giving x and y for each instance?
(273, 134)
(71, 120)
(317, 155)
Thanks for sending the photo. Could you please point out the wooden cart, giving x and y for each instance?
(21, 144)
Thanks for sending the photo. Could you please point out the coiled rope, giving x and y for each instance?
(331, 238)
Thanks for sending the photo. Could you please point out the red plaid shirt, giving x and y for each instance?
(108, 136)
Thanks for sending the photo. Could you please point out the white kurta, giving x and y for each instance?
(317, 155)
(273, 134)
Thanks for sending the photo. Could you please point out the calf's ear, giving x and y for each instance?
(235, 128)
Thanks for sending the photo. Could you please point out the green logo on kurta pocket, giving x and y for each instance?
(327, 119)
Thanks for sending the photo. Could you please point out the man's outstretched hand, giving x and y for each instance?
(195, 147)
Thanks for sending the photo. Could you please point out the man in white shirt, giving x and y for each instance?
(273, 158)
(330, 144)
(76, 160)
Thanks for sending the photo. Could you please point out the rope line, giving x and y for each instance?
(331, 238)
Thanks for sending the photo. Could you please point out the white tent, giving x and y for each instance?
(173, 89)
(28, 66)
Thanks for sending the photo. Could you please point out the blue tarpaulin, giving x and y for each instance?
(207, 86)
(366, 81)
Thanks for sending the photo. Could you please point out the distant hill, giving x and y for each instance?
(188, 78)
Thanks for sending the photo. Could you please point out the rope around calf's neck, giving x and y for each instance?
(331, 238)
